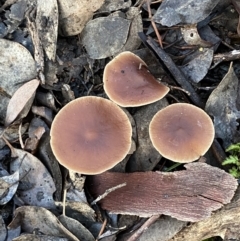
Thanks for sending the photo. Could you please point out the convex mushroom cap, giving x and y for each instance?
(181, 132)
(90, 135)
(128, 82)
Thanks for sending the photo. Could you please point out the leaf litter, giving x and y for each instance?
(68, 65)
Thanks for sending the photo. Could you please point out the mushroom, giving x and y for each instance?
(90, 135)
(181, 132)
(128, 82)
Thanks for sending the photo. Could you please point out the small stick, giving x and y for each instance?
(144, 227)
(20, 136)
(153, 24)
(107, 192)
(64, 201)
(102, 228)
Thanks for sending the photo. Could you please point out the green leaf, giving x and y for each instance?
(234, 148)
(232, 159)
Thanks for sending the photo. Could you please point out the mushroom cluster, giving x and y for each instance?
(99, 133)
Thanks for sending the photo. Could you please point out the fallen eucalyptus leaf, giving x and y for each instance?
(221, 105)
(114, 5)
(136, 26)
(32, 218)
(97, 36)
(146, 157)
(196, 69)
(36, 186)
(8, 186)
(21, 100)
(3, 229)
(172, 12)
(76, 228)
(13, 71)
(35, 237)
(74, 14)
(47, 24)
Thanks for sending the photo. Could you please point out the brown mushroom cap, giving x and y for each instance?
(128, 82)
(181, 132)
(90, 135)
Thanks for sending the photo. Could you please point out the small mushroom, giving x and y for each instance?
(90, 135)
(128, 82)
(181, 132)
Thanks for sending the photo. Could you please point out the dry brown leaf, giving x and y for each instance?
(146, 157)
(21, 99)
(16, 66)
(97, 36)
(47, 24)
(8, 186)
(38, 218)
(3, 229)
(12, 133)
(74, 14)
(35, 237)
(36, 186)
(222, 106)
(76, 228)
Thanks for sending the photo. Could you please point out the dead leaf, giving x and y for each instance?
(114, 5)
(46, 156)
(163, 229)
(80, 211)
(189, 195)
(97, 36)
(13, 70)
(73, 15)
(236, 4)
(172, 12)
(136, 26)
(35, 237)
(146, 156)
(12, 133)
(47, 24)
(221, 105)
(8, 186)
(44, 112)
(196, 69)
(38, 218)
(76, 228)
(3, 229)
(36, 186)
(21, 100)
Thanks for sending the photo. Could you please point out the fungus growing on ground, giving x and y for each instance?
(90, 135)
(181, 132)
(128, 82)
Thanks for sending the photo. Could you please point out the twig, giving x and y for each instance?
(153, 23)
(20, 135)
(102, 228)
(144, 227)
(64, 201)
(107, 192)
